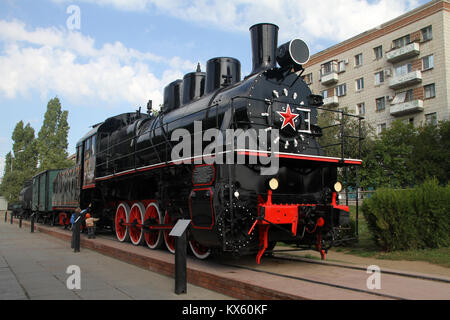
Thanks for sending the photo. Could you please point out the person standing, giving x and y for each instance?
(72, 220)
(90, 224)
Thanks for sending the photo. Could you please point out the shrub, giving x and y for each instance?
(409, 219)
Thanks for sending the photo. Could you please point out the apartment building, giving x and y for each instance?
(399, 70)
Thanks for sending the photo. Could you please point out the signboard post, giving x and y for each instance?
(179, 231)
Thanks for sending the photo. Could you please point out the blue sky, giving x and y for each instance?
(126, 51)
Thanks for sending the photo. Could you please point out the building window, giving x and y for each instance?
(403, 69)
(381, 127)
(341, 90)
(399, 98)
(381, 103)
(431, 119)
(408, 121)
(328, 68)
(409, 95)
(428, 62)
(430, 91)
(308, 78)
(341, 66)
(379, 77)
(361, 108)
(403, 96)
(401, 42)
(324, 94)
(358, 60)
(427, 33)
(359, 84)
(378, 51)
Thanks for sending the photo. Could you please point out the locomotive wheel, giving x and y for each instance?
(122, 214)
(136, 215)
(198, 250)
(169, 240)
(153, 239)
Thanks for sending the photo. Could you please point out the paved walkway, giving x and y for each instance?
(33, 266)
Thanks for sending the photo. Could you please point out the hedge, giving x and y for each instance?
(409, 219)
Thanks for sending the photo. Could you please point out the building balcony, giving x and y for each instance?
(405, 108)
(408, 51)
(329, 78)
(330, 101)
(405, 80)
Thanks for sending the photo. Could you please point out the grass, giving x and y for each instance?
(365, 247)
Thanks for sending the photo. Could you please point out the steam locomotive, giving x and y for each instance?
(276, 185)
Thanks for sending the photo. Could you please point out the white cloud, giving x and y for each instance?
(69, 63)
(331, 20)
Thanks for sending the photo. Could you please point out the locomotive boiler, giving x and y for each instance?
(276, 185)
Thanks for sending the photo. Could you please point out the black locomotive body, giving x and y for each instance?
(276, 184)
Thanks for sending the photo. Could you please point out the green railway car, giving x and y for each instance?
(43, 193)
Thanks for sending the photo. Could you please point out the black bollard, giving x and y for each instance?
(20, 221)
(32, 223)
(12, 218)
(76, 233)
(6, 216)
(179, 232)
(180, 264)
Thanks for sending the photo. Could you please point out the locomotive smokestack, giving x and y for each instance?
(264, 45)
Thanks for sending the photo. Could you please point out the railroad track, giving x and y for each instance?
(396, 285)
(354, 267)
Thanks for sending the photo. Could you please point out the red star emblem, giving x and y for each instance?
(288, 117)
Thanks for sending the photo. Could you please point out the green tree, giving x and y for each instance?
(444, 135)
(4, 191)
(405, 156)
(52, 138)
(388, 162)
(8, 160)
(21, 166)
(431, 153)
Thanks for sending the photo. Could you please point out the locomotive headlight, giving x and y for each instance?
(273, 183)
(338, 186)
(294, 52)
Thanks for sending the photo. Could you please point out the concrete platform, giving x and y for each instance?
(220, 278)
(33, 267)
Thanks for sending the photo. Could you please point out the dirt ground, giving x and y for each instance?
(407, 266)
